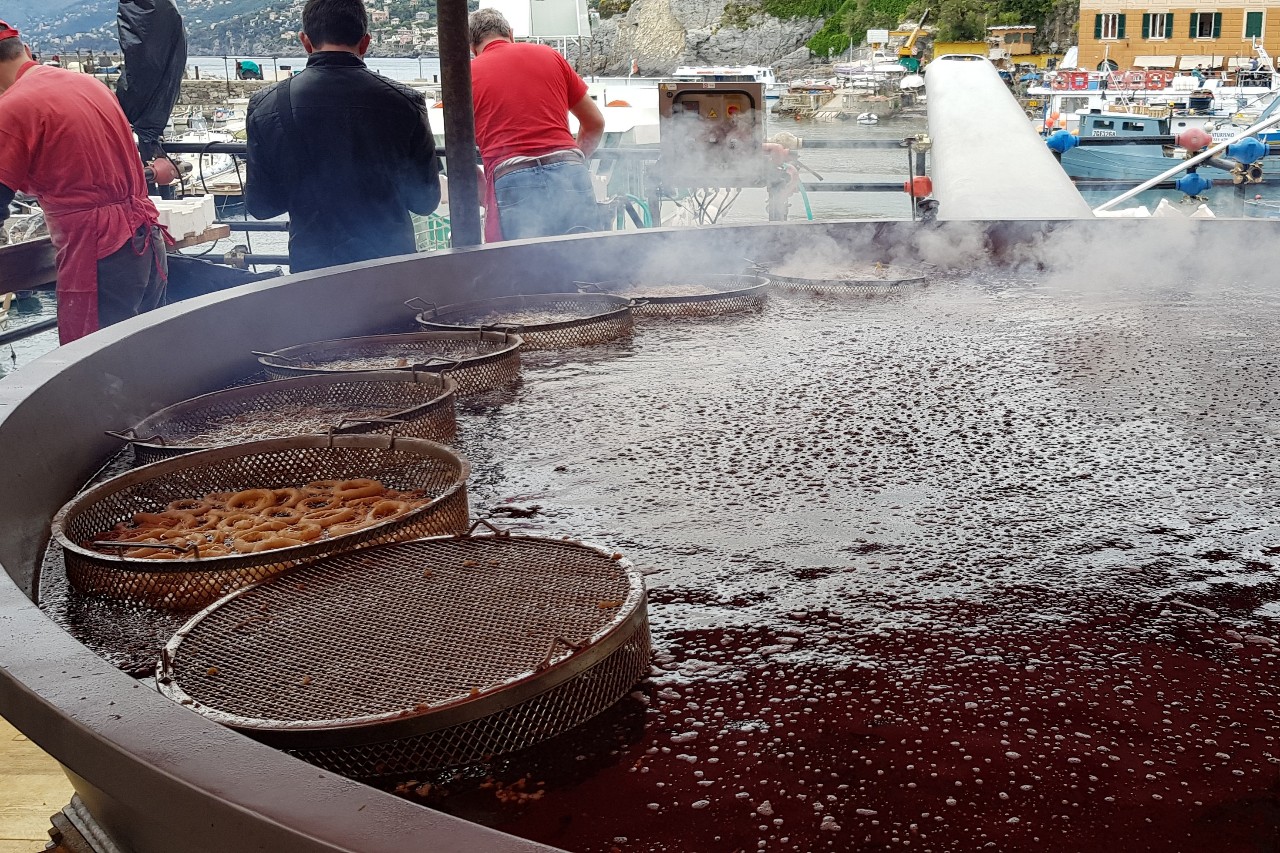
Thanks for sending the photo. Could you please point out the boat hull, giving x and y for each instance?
(1127, 163)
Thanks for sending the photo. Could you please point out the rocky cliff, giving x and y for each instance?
(661, 34)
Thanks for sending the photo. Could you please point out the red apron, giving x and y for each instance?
(82, 238)
(492, 222)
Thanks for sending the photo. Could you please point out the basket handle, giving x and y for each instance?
(132, 437)
(638, 303)
(484, 522)
(391, 444)
(352, 421)
(551, 651)
(274, 355)
(192, 548)
(756, 265)
(417, 303)
(505, 328)
(449, 363)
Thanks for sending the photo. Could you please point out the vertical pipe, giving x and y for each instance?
(911, 180)
(459, 122)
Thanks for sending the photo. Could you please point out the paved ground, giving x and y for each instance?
(32, 787)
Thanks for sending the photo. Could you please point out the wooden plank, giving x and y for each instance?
(26, 266)
(32, 787)
(215, 232)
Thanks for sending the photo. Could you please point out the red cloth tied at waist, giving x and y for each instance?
(83, 237)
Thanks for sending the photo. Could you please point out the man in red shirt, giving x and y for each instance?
(536, 177)
(65, 140)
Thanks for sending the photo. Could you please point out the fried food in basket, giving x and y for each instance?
(222, 524)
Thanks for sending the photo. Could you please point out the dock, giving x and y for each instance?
(32, 788)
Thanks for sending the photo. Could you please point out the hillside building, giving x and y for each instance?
(1162, 34)
(1010, 42)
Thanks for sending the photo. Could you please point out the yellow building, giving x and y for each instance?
(1162, 34)
(1010, 42)
(982, 48)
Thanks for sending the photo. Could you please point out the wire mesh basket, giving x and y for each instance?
(546, 321)
(190, 581)
(478, 361)
(409, 404)
(854, 278)
(708, 295)
(418, 655)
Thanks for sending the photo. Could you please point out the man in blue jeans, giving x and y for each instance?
(537, 183)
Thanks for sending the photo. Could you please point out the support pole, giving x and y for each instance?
(459, 123)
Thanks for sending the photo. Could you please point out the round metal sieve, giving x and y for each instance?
(854, 278)
(478, 361)
(411, 405)
(546, 321)
(191, 582)
(689, 296)
(418, 655)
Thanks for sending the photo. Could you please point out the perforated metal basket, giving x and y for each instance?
(589, 318)
(478, 361)
(409, 404)
(860, 279)
(418, 655)
(191, 582)
(689, 296)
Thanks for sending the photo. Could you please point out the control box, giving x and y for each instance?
(711, 134)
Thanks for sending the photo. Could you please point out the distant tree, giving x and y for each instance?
(962, 20)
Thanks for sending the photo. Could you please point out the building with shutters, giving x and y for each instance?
(1162, 34)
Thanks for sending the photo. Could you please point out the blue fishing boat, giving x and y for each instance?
(1145, 159)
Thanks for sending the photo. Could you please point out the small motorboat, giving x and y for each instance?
(868, 118)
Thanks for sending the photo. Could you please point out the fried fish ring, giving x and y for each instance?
(252, 500)
(349, 490)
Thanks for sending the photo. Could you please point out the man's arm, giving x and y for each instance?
(265, 194)
(421, 186)
(6, 196)
(590, 124)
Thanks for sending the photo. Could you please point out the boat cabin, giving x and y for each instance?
(1099, 123)
(725, 74)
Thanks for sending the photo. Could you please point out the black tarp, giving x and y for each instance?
(155, 58)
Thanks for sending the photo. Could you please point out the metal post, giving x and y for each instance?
(459, 122)
(275, 60)
(226, 67)
(911, 178)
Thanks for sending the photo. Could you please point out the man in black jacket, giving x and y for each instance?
(346, 152)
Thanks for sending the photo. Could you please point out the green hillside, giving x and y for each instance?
(956, 20)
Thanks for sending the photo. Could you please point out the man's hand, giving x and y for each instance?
(778, 153)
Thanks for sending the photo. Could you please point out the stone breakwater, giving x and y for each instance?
(205, 92)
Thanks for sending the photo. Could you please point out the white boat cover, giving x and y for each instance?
(1191, 61)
